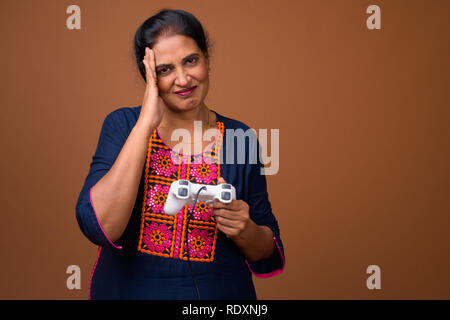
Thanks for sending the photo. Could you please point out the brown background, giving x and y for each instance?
(364, 135)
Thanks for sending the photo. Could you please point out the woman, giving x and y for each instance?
(209, 251)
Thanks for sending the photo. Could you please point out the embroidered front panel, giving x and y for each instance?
(165, 235)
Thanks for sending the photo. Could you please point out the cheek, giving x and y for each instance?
(164, 86)
(201, 73)
(203, 78)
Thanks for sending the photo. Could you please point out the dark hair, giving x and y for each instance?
(168, 22)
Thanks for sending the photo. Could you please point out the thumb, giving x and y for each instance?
(221, 180)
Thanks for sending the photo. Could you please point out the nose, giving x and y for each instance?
(182, 78)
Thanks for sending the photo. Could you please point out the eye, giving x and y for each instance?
(161, 70)
(193, 58)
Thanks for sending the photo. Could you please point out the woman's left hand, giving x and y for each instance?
(231, 218)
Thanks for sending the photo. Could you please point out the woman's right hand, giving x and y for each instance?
(153, 106)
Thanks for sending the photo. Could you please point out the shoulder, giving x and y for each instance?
(237, 137)
(124, 115)
(235, 129)
(121, 121)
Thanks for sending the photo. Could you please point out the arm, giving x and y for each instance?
(233, 219)
(114, 195)
(254, 195)
(256, 242)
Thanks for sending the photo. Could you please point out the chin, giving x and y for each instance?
(186, 105)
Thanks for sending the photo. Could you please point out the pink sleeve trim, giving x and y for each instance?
(90, 199)
(93, 270)
(270, 274)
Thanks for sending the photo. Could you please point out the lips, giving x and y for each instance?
(186, 91)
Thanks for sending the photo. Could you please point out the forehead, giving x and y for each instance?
(174, 47)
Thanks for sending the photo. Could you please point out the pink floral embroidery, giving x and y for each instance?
(157, 237)
(183, 171)
(161, 162)
(199, 159)
(156, 198)
(178, 158)
(185, 159)
(201, 211)
(208, 160)
(204, 172)
(200, 243)
(168, 236)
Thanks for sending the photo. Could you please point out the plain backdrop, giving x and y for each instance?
(363, 118)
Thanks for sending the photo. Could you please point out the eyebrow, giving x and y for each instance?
(185, 58)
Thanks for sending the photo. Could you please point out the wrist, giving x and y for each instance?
(144, 125)
(247, 234)
(255, 241)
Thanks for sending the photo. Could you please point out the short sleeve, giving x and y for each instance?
(257, 198)
(108, 148)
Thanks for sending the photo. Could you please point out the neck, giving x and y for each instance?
(185, 119)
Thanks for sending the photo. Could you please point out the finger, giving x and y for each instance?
(221, 180)
(224, 213)
(216, 204)
(222, 221)
(231, 218)
(234, 205)
(227, 230)
(152, 63)
(149, 71)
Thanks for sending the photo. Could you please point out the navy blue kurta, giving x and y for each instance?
(149, 259)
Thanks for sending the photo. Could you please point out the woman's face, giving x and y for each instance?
(180, 64)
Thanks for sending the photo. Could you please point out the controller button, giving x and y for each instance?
(226, 186)
(183, 182)
(182, 192)
(226, 196)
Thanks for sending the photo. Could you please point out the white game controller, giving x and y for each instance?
(183, 192)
